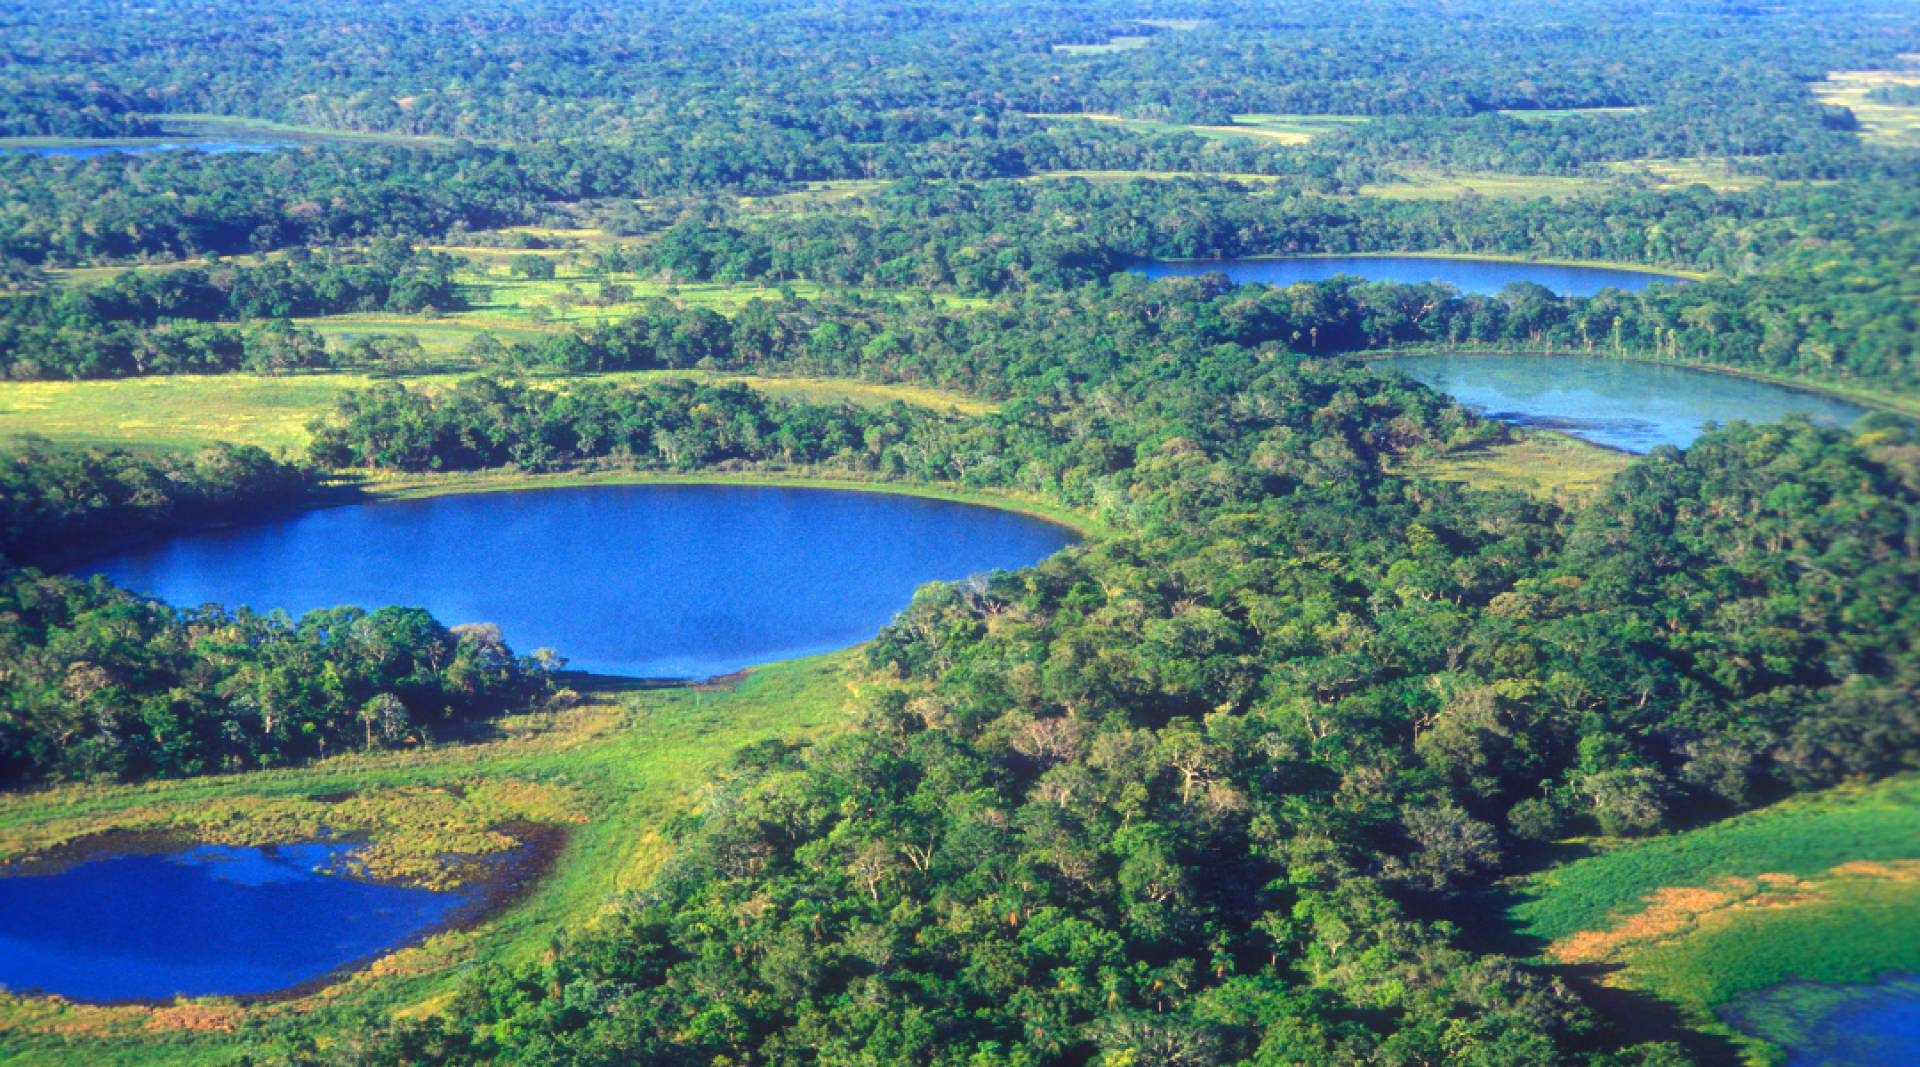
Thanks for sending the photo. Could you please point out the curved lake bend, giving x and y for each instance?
(646, 581)
(204, 921)
(1629, 406)
(1483, 276)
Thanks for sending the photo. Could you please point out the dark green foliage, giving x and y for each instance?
(56, 505)
(1191, 795)
(104, 684)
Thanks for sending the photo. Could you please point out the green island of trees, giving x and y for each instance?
(1307, 758)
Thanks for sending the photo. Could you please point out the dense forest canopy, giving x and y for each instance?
(1228, 786)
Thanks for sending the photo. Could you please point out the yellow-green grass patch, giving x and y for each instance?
(1282, 129)
(1424, 183)
(1716, 174)
(818, 194)
(175, 412)
(1118, 44)
(183, 413)
(1887, 124)
(440, 339)
(1550, 466)
(1117, 177)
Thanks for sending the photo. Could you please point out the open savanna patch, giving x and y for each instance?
(182, 413)
(1279, 129)
(1550, 466)
(173, 413)
(1432, 183)
(1896, 122)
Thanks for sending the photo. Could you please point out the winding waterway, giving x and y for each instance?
(1482, 276)
(1630, 406)
(202, 921)
(648, 581)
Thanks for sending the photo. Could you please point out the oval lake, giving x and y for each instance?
(1625, 405)
(202, 921)
(645, 581)
(1483, 276)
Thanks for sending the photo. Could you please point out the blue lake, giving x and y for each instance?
(1836, 1026)
(1483, 276)
(1629, 406)
(645, 581)
(204, 921)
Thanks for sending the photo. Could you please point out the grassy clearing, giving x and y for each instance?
(817, 195)
(1424, 183)
(1804, 837)
(1119, 177)
(1438, 183)
(623, 763)
(182, 413)
(173, 413)
(1550, 466)
(1715, 174)
(1882, 124)
(1118, 44)
(1284, 129)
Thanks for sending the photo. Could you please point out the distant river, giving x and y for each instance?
(647, 581)
(1483, 276)
(101, 148)
(1629, 406)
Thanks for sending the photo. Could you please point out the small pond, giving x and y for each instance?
(1836, 1026)
(1629, 406)
(203, 921)
(1483, 276)
(645, 581)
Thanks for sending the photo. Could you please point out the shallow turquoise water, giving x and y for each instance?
(1629, 406)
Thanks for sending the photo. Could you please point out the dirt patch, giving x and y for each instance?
(1679, 910)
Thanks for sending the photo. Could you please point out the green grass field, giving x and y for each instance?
(184, 413)
(1118, 44)
(1883, 124)
(1550, 466)
(1284, 129)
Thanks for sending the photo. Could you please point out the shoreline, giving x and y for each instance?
(1907, 408)
(1674, 273)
